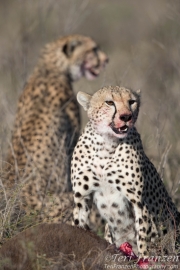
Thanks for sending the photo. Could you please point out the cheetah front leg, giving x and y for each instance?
(107, 234)
(83, 197)
(83, 204)
(141, 222)
(141, 226)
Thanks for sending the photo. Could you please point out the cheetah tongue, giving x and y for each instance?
(92, 71)
(90, 74)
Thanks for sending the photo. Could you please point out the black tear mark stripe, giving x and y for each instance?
(114, 108)
(95, 50)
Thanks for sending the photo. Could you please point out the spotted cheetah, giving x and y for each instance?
(48, 121)
(109, 167)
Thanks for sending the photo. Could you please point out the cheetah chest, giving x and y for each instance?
(109, 201)
(102, 158)
(112, 204)
(99, 164)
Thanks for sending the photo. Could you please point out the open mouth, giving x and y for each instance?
(121, 130)
(93, 72)
(90, 73)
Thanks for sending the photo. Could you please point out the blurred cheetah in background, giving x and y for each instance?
(109, 166)
(47, 122)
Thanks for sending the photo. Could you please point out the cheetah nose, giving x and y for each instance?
(107, 60)
(126, 117)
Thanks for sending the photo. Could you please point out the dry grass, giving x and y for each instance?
(143, 47)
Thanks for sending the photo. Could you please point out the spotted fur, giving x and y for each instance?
(48, 122)
(109, 166)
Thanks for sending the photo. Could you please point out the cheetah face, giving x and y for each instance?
(74, 56)
(113, 111)
(84, 58)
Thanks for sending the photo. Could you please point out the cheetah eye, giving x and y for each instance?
(95, 49)
(131, 102)
(110, 102)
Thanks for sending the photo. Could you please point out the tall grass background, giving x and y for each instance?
(142, 40)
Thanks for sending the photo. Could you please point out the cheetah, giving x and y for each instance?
(110, 168)
(47, 121)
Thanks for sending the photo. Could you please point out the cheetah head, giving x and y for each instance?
(76, 56)
(113, 111)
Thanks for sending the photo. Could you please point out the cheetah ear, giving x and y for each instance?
(84, 100)
(138, 92)
(70, 46)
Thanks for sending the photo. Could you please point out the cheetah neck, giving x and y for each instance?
(133, 138)
(43, 71)
(99, 139)
(49, 83)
